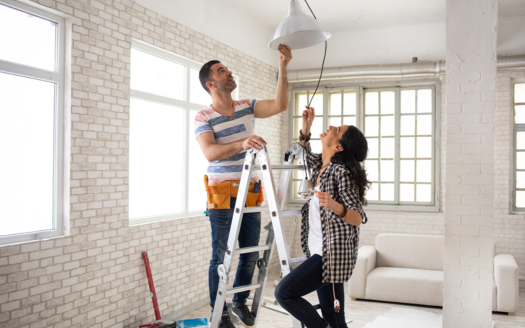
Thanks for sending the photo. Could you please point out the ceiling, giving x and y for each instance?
(363, 31)
(354, 15)
(349, 15)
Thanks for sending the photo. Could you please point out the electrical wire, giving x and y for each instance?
(312, 98)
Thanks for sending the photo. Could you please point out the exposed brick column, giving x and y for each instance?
(471, 94)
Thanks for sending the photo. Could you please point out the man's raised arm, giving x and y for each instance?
(213, 152)
(267, 108)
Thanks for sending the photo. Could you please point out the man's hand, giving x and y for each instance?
(254, 142)
(310, 114)
(285, 57)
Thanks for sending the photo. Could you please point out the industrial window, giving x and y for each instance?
(166, 164)
(400, 126)
(32, 121)
(519, 146)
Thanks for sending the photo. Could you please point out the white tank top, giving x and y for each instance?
(315, 235)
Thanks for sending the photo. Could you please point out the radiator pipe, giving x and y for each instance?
(390, 70)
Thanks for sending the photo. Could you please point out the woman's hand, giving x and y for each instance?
(308, 113)
(326, 200)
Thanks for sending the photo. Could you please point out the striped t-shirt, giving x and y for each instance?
(227, 130)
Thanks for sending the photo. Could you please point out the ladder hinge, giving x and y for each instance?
(223, 275)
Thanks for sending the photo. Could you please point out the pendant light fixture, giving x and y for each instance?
(298, 30)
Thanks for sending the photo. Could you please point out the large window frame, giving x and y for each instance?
(517, 127)
(360, 88)
(186, 106)
(61, 77)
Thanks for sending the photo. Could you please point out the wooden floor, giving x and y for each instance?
(360, 312)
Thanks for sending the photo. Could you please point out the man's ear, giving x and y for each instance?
(209, 84)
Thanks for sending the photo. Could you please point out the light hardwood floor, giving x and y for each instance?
(360, 312)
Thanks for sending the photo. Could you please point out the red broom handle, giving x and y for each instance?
(151, 286)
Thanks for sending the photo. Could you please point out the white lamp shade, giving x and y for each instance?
(298, 30)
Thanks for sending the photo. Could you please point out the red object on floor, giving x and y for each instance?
(151, 286)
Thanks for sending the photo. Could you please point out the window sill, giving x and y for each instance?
(160, 218)
(394, 208)
(402, 208)
(10, 240)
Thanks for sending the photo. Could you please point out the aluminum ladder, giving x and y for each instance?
(276, 230)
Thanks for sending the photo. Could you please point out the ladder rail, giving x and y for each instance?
(276, 234)
(224, 269)
(275, 215)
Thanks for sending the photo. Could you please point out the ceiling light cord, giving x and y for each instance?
(312, 98)
(324, 57)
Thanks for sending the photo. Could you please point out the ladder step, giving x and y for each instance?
(243, 288)
(298, 259)
(257, 209)
(290, 212)
(252, 249)
(281, 167)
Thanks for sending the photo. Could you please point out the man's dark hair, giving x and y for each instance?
(205, 72)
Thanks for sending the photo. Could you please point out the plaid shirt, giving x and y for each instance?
(344, 237)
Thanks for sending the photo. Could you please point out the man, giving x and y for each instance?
(225, 131)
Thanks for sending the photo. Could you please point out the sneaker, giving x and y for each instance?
(246, 316)
(226, 321)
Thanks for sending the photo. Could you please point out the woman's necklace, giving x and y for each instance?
(319, 177)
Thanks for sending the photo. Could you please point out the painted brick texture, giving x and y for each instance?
(469, 217)
(95, 277)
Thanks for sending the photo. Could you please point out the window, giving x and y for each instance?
(519, 147)
(166, 164)
(399, 124)
(32, 71)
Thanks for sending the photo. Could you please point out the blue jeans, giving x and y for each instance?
(249, 234)
(302, 281)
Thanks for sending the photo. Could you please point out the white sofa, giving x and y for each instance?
(409, 269)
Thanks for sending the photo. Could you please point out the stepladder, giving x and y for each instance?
(275, 199)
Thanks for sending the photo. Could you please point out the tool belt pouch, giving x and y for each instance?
(252, 199)
(219, 196)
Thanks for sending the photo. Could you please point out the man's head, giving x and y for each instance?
(214, 75)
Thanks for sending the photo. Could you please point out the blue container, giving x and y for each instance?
(193, 323)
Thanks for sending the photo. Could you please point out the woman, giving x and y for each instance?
(340, 183)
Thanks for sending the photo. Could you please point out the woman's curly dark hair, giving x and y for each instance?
(355, 150)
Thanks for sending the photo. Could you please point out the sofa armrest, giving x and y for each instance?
(366, 262)
(506, 276)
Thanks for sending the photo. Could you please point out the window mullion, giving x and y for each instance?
(397, 155)
(325, 109)
(359, 108)
(185, 161)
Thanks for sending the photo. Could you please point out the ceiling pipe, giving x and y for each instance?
(390, 70)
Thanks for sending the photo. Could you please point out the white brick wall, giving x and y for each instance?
(471, 108)
(95, 277)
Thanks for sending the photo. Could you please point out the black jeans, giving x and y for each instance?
(303, 280)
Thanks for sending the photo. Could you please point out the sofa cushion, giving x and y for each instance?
(410, 251)
(402, 285)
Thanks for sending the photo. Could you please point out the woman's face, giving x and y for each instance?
(331, 137)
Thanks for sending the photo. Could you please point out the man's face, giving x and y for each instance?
(222, 78)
